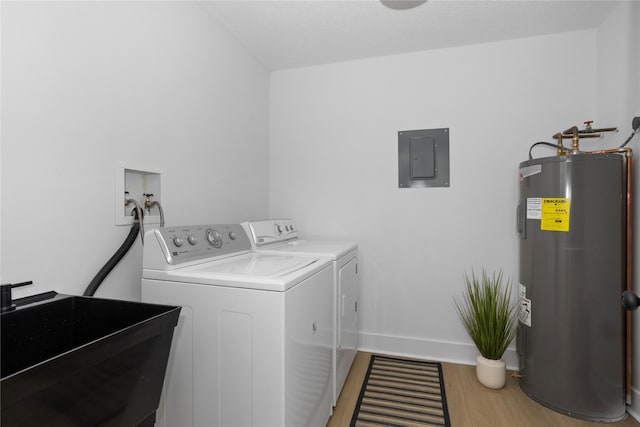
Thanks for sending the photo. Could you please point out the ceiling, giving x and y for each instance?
(296, 33)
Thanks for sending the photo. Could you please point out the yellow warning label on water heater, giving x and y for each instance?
(555, 214)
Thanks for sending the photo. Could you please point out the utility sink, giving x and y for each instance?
(83, 361)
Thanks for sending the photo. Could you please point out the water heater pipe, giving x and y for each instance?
(561, 149)
(575, 138)
(576, 135)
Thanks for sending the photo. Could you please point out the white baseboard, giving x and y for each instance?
(441, 351)
(634, 408)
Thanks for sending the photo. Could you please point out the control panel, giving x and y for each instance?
(189, 243)
(271, 231)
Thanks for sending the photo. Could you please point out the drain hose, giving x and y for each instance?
(113, 261)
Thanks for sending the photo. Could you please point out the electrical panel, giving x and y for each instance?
(423, 158)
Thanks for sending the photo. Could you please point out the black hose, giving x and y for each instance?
(628, 139)
(113, 261)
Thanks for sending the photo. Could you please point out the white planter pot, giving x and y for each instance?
(491, 373)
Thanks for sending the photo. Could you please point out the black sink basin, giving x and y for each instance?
(83, 361)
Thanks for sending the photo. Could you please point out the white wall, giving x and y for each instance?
(618, 88)
(86, 85)
(333, 167)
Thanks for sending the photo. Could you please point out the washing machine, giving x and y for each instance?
(253, 345)
(280, 236)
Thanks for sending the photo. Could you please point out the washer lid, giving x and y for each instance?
(254, 264)
(258, 271)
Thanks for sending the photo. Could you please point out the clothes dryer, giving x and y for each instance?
(253, 345)
(280, 236)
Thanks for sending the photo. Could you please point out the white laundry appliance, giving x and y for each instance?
(280, 236)
(253, 345)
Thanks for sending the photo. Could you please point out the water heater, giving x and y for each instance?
(572, 217)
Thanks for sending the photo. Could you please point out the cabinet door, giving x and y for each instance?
(348, 314)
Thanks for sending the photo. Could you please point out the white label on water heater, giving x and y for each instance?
(525, 305)
(530, 170)
(534, 208)
(525, 311)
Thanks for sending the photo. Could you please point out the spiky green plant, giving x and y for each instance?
(487, 313)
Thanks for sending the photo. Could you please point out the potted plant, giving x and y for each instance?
(491, 320)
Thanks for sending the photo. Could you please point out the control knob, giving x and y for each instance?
(178, 241)
(214, 237)
(233, 235)
(192, 239)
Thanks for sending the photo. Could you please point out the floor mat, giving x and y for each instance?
(401, 392)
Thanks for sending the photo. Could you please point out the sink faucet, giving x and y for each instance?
(6, 302)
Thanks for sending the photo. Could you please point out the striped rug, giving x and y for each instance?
(403, 393)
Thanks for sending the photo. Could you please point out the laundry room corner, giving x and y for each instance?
(417, 243)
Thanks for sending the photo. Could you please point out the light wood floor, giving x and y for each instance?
(470, 404)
